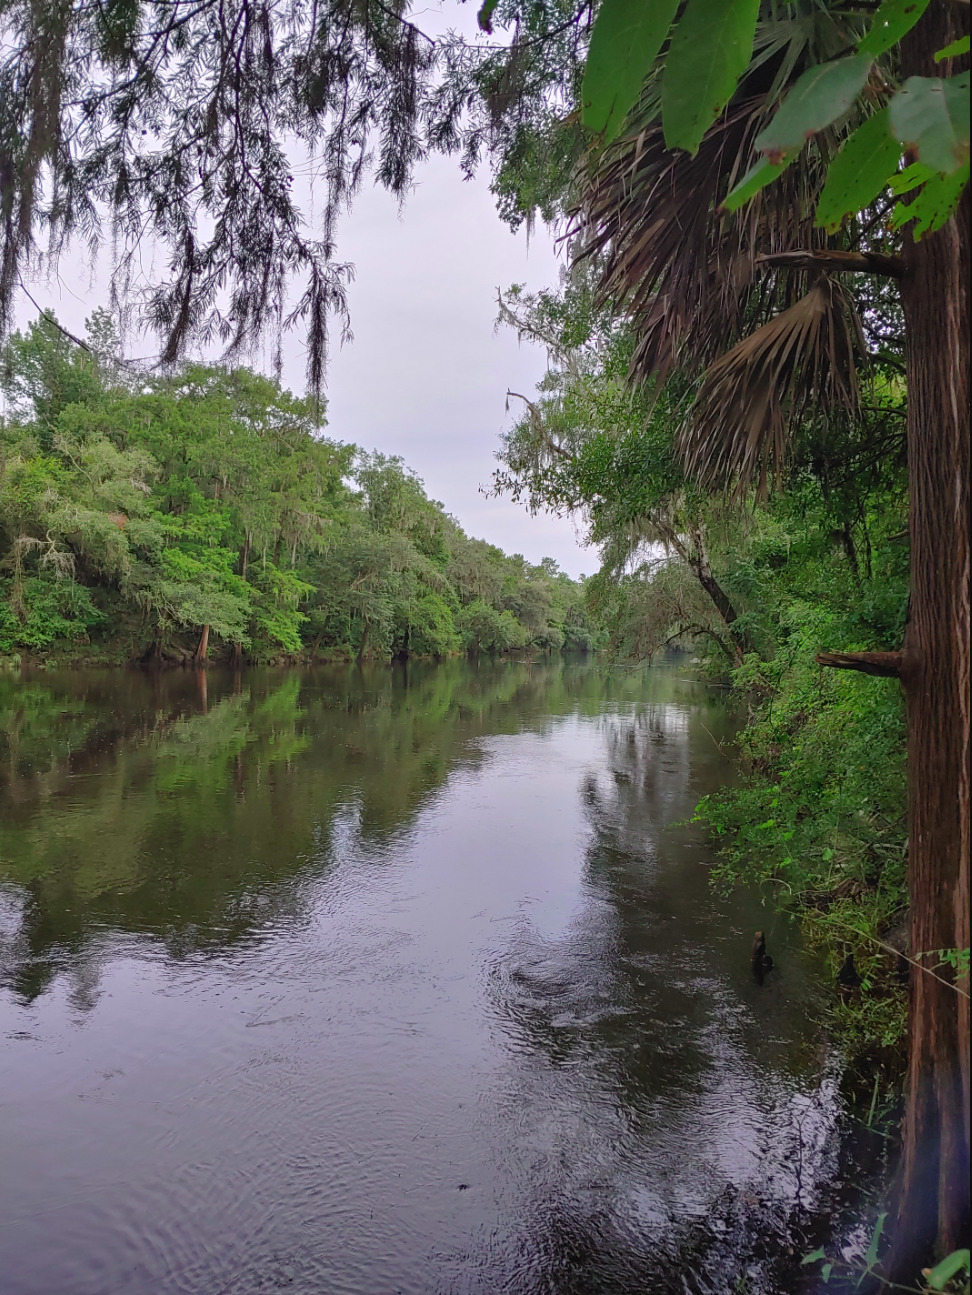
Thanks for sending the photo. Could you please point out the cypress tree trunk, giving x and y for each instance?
(933, 1201)
(203, 648)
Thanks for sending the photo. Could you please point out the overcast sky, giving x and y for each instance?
(426, 375)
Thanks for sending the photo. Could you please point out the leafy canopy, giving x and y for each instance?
(712, 45)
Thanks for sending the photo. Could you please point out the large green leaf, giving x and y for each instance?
(940, 195)
(624, 43)
(821, 95)
(859, 172)
(939, 1276)
(954, 50)
(930, 115)
(756, 178)
(894, 19)
(711, 47)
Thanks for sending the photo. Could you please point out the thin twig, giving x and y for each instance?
(889, 948)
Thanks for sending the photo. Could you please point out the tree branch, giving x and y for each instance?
(855, 262)
(885, 664)
(49, 315)
(536, 420)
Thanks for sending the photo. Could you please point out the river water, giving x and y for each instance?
(391, 981)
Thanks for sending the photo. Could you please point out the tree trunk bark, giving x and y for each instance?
(933, 1192)
(720, 601)
(203, 648)
(697, 560)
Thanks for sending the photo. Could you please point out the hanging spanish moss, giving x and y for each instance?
(177, 125)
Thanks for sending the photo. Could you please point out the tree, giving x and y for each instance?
(42, 371)
(98, 133)
(592, 443)
(721, 271)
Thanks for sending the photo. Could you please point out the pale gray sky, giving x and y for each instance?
(426, 375)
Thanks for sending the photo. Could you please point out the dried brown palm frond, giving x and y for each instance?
(692, 279)
(685, 275)
(807, 357)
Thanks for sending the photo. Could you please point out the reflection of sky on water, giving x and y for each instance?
(403, 989)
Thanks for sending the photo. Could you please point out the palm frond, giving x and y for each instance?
(686, 274)
(807, 357)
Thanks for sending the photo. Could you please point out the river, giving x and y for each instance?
(392, 981)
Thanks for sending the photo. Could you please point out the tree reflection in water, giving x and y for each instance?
(344, 863)
(702, 1146)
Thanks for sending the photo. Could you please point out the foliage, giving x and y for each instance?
(713, 44)
(147, 517)
(99, 141)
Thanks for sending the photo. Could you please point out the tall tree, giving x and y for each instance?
(701, 212)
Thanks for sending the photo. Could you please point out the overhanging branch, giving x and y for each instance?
(886, 664)
(853, 262)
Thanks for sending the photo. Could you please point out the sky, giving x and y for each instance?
(426, 375)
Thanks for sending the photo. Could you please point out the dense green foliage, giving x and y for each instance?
(819, 817)
(755, 586)
(134, 513)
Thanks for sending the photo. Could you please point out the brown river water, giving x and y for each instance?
(393, 981)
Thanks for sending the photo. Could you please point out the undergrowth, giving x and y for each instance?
(819, 821)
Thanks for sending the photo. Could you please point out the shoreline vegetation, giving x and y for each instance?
(205, 515)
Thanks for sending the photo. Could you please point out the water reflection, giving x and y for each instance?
(371, 980)
(161, 805)
(699, 1115)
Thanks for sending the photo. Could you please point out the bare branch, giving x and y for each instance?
(849, 262)
(885, 664)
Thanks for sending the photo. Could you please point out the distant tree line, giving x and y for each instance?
(204, 514)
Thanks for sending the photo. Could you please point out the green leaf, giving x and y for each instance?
(955, 50)
(930, 115)
(711, 47)
(821, 95)
(894, 19)
(871, 1257)
(911, 177)
(948, 1268)
(485, 16)
(859, 172)
(825, 1272)
(935, 204)
(625, 42)
(813, 1256)
(756, 178)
